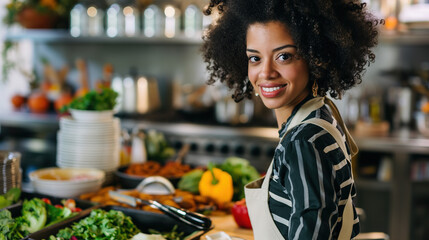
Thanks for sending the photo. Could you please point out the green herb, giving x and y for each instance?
(93, 100)
(101, 225)
(10, 229)
(241, 172)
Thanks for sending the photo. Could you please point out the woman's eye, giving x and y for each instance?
(253, 59)
(284, 57)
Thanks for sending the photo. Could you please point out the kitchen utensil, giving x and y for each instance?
(156, 185)
(194, 219)
(183, 151)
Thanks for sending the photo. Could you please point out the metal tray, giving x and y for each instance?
(144, 220)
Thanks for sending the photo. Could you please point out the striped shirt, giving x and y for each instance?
(311, 181)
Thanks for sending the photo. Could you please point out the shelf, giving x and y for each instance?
(420, 188)
(63, 36)
(405, 38)
(372, 184)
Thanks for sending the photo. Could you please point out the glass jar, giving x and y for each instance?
(153, 21)
(78, 21)
(95, 16)
(172, 20)
(193, 21)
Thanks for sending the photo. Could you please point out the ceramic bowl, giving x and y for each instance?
(67, 182)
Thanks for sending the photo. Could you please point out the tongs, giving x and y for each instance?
(191, 218)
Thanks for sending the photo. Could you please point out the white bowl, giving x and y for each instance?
(67, 182)
(91, 115)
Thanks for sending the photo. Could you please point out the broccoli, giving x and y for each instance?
(35, 214)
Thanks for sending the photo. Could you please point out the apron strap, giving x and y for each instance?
(352, 144)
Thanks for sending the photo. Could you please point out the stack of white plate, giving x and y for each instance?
(10, 176)
(89, 144)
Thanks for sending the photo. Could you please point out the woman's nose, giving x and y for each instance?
(268, 71)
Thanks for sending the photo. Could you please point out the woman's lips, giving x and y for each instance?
(272, 91)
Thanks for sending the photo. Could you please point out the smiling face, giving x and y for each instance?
(274, 69)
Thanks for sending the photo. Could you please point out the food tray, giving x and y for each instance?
(128, 181)
(15, 209)
(144, 220)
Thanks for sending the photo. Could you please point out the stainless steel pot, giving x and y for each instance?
(228, 111)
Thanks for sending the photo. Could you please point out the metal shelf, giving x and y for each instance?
(63, 36)
(405, 38)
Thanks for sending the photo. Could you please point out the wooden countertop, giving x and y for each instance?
(227, 224)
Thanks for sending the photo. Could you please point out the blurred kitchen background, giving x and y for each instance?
(149, 52)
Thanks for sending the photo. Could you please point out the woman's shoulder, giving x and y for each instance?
(309, 132)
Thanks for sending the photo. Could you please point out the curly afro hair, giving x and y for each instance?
(334, 37)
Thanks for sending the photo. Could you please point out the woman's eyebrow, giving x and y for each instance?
(283, 47)
(274, 50)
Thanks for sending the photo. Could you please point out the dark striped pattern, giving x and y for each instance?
(311, 181)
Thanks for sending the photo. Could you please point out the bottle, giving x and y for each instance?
(114, 20)
(95, 16)
(130, 91)
(193, 24)
(153, 21)
(122, 19)
(118, 86)
(131, 16)
(172, 21)
(78, 21)
(138, 148)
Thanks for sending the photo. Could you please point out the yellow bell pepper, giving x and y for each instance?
(217, 185)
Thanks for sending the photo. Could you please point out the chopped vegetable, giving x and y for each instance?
(216, 184)
(189, 182)
(10, 228)
(101, 225)
(34, 212)
(93, 100)
(241, 172)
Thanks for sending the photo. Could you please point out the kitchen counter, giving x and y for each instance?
(227, 224)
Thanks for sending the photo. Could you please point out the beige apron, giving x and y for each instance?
(257, 192)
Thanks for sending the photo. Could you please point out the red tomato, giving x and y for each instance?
(58, 206)
(240, 214)
(77, 210)
(46, 200)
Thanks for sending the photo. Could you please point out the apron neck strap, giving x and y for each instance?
(353, 146)
(305, 110)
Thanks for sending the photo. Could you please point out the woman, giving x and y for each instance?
(291, 53)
